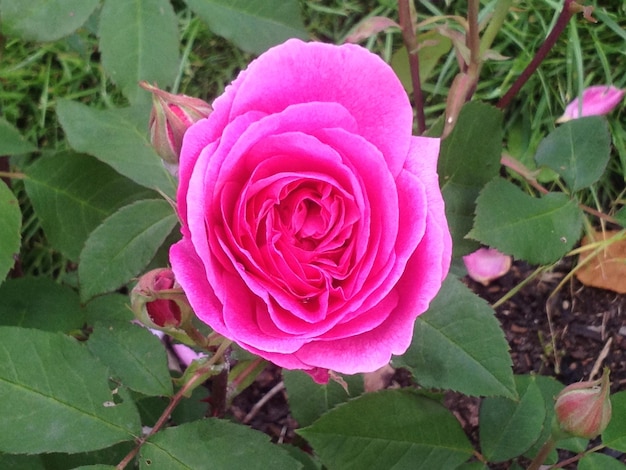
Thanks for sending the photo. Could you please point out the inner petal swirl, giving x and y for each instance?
(299, 230)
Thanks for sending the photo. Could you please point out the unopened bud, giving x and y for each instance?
(170, 118)
(158, 302)
(595, 101)
(584, 409)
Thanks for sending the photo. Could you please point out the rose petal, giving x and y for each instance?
(298, 72)
(487, 264)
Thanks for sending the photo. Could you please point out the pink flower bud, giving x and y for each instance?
(486, 265)
(596, 100)
(171, 116)
(185, 354)
(584, 409)
(157, 301)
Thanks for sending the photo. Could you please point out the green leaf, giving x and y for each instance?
(113, 138)
(434, 45)
(43, 20)
(469, 158)
(136, 357)
(308, 461)
(216, 443)
(472, 466)
(109, 456)
(11, 141)
(537, 230)
(549, 388)
(252, 26)
(108, 309)
(10, 236)
(40, 303)
(614, 436)
(95, 467)
(123, 245)
(578, 151)
(389, 429)
(139, 41)
(55, 396)
(309, 400)
(597, 461)
(458, 344)
(508, 428)
(188, 409)
(21, 462)
(63, 195)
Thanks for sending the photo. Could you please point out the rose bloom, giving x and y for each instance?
(313, 227)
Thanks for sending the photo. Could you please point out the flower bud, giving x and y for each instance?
(584, 409)
(486, 265)
(171, 116)
(158, 302)
(596, 100)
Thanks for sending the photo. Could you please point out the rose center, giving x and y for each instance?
(300, 233)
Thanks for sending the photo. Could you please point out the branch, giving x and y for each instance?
(410, 42)
(562, 21)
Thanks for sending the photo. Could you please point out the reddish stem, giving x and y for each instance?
(410, 42)
(562, 21)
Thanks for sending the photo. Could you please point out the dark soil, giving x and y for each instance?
(567, 334)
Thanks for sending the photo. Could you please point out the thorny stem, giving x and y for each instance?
(473, 40)
(193, 382)
(578, 456)
(11, 175)
(410, 42)
(562, 21)
(245, 373)
(528, 175)
(543, 454)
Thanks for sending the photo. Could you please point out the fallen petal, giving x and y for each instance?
(486, 265)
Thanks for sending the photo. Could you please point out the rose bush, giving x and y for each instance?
(313, 227)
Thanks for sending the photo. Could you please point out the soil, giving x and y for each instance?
(569, 334)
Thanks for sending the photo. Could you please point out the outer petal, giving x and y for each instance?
(422, 162)
(420, 282)
(298, 72)
(190, 274)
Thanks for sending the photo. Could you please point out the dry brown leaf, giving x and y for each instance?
(379, 379)
(607, 268)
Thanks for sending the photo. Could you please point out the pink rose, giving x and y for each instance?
(313, 225)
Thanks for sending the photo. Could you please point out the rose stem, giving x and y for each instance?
(473, 40)
(410, 42)
(543, 454)
(219, 385)
(190, 385)
(578, 456)
(562, 21)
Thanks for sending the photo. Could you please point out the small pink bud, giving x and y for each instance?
(185, 354)
(584, 409)
(486, 265)
(170, 118)
(596, 100)
(157, 300)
